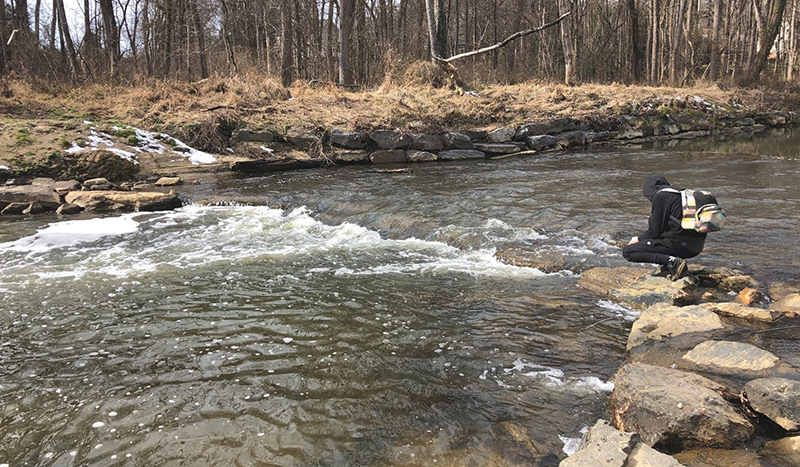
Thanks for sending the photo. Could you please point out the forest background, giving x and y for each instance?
(196, 68)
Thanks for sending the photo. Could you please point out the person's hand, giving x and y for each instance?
(633, 240)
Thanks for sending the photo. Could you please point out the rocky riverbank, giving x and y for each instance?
(697, 388)
(132, 157)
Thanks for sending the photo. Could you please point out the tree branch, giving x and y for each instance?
(504, 42)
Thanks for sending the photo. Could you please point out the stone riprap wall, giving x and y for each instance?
(386, 146)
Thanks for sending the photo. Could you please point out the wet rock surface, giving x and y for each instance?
(674, 410)
(776, 398)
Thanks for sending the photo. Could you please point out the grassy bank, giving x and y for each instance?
(39, 126)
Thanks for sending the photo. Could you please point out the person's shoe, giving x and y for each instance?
(676, 267)
(660, 271)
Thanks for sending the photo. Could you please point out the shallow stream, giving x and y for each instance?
(346, 317)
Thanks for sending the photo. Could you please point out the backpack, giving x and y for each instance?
(700, 211)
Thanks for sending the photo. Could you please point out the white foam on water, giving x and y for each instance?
(71, 233)
(555, 378)
(619, 309)
(570, 445)
(206, 236)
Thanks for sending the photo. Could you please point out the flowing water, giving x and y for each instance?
(346, 317)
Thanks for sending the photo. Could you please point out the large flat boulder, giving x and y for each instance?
(776, 398)
(739, 310)
(664, 321)
(638, 287)
(731, 358)
(26, 194)
(124, 200)
(461, 154)
(674, 410)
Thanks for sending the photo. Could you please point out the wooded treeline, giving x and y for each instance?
(356, 42)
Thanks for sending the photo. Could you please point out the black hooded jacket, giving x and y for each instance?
(666, 205)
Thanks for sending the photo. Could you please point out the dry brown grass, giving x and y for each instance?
(412, 98)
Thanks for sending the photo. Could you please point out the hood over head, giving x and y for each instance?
(652, 184)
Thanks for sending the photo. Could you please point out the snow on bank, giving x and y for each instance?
(148, 142)
(3, 167)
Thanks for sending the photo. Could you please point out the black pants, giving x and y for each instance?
(658, 250)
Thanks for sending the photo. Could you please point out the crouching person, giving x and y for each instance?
(664, 242)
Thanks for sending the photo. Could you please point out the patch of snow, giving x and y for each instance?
(3, 167)
(266, 149)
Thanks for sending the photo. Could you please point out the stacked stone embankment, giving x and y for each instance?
(299, 148)
(71, 197)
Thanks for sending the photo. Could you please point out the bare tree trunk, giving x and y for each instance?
(430, 8)
(715, 41)
(566, 44)
(792, 49)
(201, 41)
(68, 44)
(37, 16)
(111, 34)
(676, 35)
(765, 41)
(286, 42)
(345, 28)
(633, 40)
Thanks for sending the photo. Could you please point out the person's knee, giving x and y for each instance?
(626, 253)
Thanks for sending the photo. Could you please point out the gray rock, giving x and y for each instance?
(663, 321)
(169, 181)
(531, 129)
(637, 287)
(719, 458)
(454, 140)
(645, 456)
(603, 446)
(776, 398)
(43, 181)
(349, 156)
(789, 305)
(572, 139)
(420, 156)
(784, 452)
(302, 137)
(391, 139)
(388, 156)
(251, 136)
(502, 135)
(64, 187)
(14, 209)
(630, 133)
(742, 311)
(124, 200)
(349, 139)
(68, 209)
(497, 148)
(461, 154)
(28, 194)
(675, 410)
(34, 208)
(594, 137)
(432, 143)
(731, 357)
(748, 122)
(541, 142)
(98, 184)
(476, 135)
